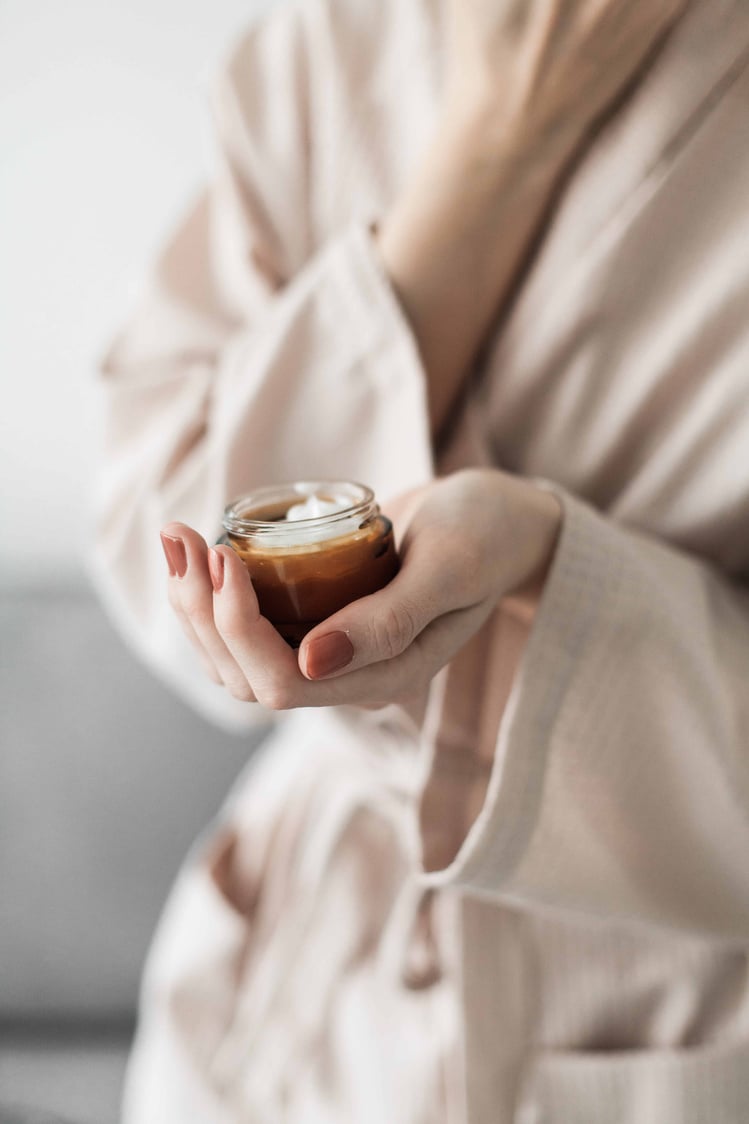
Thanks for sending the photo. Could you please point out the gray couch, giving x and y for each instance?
(105, 780)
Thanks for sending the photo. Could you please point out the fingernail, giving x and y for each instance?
(216, 569)
(176, 555)
(328, 653)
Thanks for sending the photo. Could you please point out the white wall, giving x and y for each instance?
(104, 135)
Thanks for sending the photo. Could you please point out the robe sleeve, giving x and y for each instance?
(256, 356)
(620, 781)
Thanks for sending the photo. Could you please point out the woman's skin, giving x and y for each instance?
(527, 83)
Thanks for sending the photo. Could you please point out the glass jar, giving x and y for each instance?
(310, 548)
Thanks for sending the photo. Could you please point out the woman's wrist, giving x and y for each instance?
(454, 241)
(484, 141)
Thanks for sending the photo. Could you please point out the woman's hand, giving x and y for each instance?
(546, 70)
(526, 82)
(470, 540)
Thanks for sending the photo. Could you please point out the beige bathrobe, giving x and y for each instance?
(326, 956)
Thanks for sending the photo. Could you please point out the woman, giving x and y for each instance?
(519, 892)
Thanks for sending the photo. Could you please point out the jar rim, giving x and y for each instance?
(362, 503)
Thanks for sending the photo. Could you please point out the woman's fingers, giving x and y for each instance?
(272, 667)
(208, 665)
(213, 597)
(403, 677)
(264, 657)
(191, 596)
(174, 551)
(386, 624)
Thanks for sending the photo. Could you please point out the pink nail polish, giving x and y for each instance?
(216, 569)
(176, 555)
(328, 653)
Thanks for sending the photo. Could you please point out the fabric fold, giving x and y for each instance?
(619, 779)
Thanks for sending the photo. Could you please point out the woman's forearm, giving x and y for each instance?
(455, 241)
(526, 84)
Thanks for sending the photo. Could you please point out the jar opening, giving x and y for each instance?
(261, 515)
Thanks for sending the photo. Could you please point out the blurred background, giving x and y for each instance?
(105, 778)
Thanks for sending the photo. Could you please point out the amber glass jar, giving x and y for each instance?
(311, 547)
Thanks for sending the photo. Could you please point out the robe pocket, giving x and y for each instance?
(697, 1085)
(196, 961)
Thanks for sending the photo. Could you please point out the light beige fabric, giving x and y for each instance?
(583, 956)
